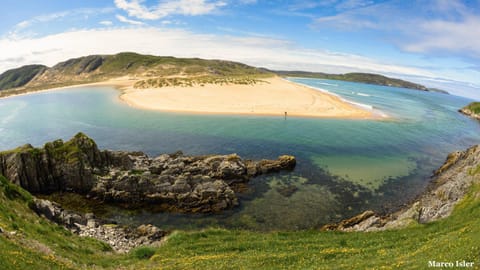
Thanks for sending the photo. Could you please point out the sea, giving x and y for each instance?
(344, 166)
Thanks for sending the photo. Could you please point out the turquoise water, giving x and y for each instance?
(344, 166)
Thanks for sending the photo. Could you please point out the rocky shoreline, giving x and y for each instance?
(175, 182)
(169, 182)
(449, 184)
(469, 113)
(120, 238)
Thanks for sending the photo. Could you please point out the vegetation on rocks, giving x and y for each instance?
(28, 241)
(168, 182)
(472, 110)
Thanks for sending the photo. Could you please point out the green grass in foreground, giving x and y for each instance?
(42, 245)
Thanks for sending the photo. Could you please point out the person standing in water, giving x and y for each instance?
(285, 115)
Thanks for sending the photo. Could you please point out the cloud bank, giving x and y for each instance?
(258, 51)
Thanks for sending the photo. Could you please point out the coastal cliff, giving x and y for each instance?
(449, 184)
(472, 110)
(169, 182)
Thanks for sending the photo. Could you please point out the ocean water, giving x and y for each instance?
(344, 166)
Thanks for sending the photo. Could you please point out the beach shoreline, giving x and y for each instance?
(275, 96)
(272, 97)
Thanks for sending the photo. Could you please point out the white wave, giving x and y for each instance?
(363, 95)
(330, 84)
(365, 106)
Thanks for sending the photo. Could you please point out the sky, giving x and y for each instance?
(432, 42)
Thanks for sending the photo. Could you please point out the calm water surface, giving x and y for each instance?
(344, 166)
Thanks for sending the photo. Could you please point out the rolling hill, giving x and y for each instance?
(157, 69)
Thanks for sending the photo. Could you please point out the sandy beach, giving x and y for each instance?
(273, 96)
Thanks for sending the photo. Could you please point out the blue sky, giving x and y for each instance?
(433, 42)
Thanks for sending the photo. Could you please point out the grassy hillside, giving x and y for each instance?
(360, 77)
(96, 68)
(473, 107)
(19, 76)
(159, 69)
(39, 244)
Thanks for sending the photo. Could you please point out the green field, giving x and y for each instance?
(40, 244)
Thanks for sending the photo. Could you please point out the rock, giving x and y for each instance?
(471, 110)
(264, 166)
(173, 181)
(349, 223)
(48, 209)
(121, 239)
(287, 190)
(449, 184)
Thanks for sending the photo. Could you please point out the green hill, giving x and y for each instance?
(362, 78)
(474, 107)
(20, 76)
(151, 71)
(472, 110)
(95, 68)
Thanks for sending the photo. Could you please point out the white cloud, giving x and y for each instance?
(135, 8)
(23, 28)
(106, 23)
(447, 26)
(454, 36)
(126, 20)
(258, 51)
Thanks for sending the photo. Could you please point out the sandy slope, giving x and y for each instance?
(274, 96)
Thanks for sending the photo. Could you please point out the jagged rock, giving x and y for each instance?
(172, 182)
(450, 183)
(467, 111)
(120, 238)
(348, 224)
(284, 162)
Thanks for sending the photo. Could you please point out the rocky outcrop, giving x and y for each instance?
(471, 110)
(172, 182)
(122, 239)
(450, 183)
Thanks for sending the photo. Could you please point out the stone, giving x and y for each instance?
(172, 181)
(448, 185)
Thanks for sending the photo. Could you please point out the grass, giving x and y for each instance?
(474, 107)
(43, 245)
(95, 68)
(197, 81)
(69, 151)
(19, 76)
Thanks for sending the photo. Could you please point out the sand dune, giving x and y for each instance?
(274, 96)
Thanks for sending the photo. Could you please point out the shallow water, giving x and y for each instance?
(344, 166)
